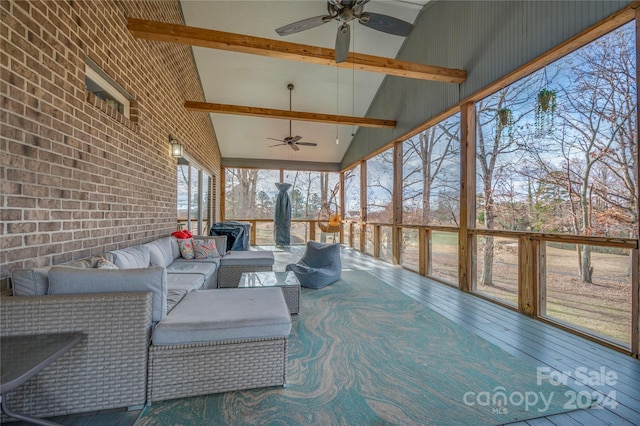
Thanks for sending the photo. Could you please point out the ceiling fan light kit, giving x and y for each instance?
(346, 11)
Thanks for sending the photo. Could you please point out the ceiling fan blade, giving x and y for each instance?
(273, 139)
(295, 139)
(386, 24)
(306, 143)
(305, 24)
(342, 43)
(294, 147)
(280, 144)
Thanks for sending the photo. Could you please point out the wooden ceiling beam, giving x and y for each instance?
(202, 37)
(288, 115)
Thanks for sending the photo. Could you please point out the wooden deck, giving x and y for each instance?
(534, 341)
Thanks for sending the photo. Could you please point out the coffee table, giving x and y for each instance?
(22, 357)
(286, 280)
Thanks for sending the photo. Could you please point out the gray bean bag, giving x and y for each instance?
(319, 266)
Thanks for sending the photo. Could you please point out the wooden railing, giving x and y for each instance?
(531, 258)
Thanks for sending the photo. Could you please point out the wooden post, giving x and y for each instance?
(396, 231)
(342, 209)
(527, 265)
(376, 241)
(223, 193)
(541, 285)
(466, 271)
(363, 205)
(422, 249)
(350, 225)
(635, 254)
(254, 232)
(635, 302)
(312, 230)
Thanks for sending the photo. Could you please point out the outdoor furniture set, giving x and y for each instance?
(157, 327)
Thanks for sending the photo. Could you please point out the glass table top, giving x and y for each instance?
(268, 279)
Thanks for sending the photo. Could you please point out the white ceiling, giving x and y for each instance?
(250, 80)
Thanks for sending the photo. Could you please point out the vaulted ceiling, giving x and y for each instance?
(260, 82)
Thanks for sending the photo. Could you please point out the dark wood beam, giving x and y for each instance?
(202, 37)
(289, 115)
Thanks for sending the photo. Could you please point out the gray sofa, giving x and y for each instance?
(154, 329)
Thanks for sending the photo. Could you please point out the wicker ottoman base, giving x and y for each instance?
(204, 368)
(229, 276)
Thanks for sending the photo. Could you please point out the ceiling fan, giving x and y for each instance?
(346, 11)
(292, 141)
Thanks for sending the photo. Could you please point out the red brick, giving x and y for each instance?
(17, 202)
(49, 226)
(10, 214)
(36, 239)
(21, 254)
(10, 241)
(36, 214)
(21, 227)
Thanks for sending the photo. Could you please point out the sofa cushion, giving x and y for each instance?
(30, 282)
(186, 282)
(160, 252)
(207, 269)
(65, 280)
(174, 297)
(35, 281)
(174, 248)
(225, 314)
(132, 257)
(248, 258)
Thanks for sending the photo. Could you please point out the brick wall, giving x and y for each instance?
(77, 178)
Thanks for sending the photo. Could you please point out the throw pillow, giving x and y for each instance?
(106, 264)
(205, 249)
(186, 248)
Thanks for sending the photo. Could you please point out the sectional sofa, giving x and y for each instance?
(157, 327)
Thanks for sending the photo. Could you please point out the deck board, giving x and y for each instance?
(529, 339)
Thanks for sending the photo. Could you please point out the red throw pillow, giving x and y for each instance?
(182, 235)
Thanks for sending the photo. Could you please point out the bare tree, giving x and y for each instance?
(436, 148)
(498, 118)
(600, 142)
(241, 193)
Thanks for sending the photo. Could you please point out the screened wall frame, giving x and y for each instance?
(530, 252)
(530, 246)
(309, 224)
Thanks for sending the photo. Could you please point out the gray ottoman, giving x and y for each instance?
(220, 341)
(232, 265)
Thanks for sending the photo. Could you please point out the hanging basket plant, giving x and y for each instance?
(505, 117)
(545, 111)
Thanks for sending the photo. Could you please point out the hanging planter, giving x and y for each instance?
(545, 111)
(546, 100)
(505, 117)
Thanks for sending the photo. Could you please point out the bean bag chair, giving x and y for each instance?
(319, 266)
